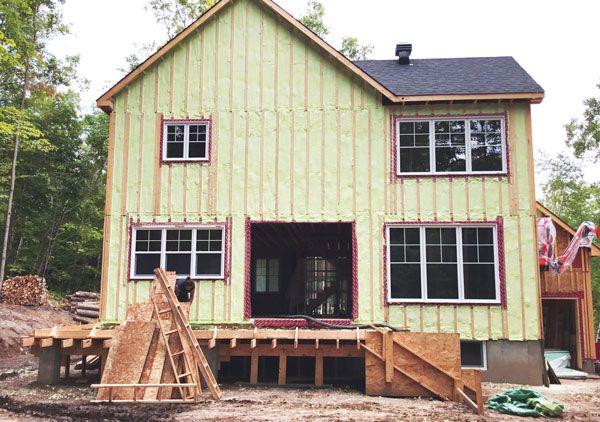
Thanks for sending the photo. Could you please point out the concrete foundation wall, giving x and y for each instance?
(519, 362)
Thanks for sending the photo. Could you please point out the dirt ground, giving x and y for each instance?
(21, 398)
(18, 321)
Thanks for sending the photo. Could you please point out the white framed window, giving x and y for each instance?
(267, 275)
(443, 263)
(187, 140)
(473, 354)
(196, 251)
(444, 146)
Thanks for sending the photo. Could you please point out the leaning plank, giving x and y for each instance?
(467, 400)
(126, 357)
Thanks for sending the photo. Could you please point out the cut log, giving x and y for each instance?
(87, 313)
(91, 295)
(88, 306)
(85, 320)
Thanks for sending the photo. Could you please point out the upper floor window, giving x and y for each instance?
(444, 146)
(267, 275)
(443, 263)
(194, 251)
(186, 140)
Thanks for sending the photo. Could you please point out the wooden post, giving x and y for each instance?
(282, 368)
(83, 365)
(254, 368)
(388, 345)
(67, 362)
(319, 368)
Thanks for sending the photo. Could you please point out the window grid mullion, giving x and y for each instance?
(432, 168)
(163, 248)
(423, 249)
(469, 166)
(459, 259)
(193, 252)
(496, 263)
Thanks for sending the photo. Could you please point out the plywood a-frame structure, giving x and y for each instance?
(154, 356)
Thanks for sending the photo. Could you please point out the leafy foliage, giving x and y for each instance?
(313, 18)
(583, 135)
(353, 50)
(176, 15)
(56, 226)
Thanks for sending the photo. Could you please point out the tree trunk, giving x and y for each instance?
(13, 173)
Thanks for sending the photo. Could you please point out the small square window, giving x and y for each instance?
(186, 141)
(473, 354)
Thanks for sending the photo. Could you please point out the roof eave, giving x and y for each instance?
(532, 97)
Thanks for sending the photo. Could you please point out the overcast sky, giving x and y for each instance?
(556, 42)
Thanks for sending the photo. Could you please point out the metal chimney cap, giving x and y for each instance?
(403, 52)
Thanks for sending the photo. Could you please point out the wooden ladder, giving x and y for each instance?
(187, 335)
(177, 359)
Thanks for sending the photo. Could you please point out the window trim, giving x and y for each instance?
(497, 228)
(484, 359)
(397, 119)
(187, 122)
(193, 252)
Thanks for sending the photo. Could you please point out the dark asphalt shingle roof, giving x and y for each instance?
(473, 75)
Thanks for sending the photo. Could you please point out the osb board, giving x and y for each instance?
(139, 312)
(127, 357)
(442, 350)
(471, 379)
(157, 361)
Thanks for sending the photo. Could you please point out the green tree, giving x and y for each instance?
(353, 50)
(583, 135)
(176, 15)
(313, 18)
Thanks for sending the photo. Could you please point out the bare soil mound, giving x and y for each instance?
(17, 321)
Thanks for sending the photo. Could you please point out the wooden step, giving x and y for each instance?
(187, 374)
(168, 333)
(178, 353)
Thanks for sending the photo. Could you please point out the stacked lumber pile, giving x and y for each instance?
(84, 306)
(29, 290)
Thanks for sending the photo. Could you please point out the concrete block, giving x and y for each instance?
(49, 365)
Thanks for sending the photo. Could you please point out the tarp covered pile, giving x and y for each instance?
(522, 402)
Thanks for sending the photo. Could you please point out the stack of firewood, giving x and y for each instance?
(27, 290)
(84, 306)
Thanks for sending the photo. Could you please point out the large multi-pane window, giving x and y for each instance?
(195, 252)
(187, 141)
(442, 263)
(444, 146)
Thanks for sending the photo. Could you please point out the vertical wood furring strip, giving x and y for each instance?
(156, 165)
(217, 73)
(354, 158)
(140, 159)
(370, 208)
(246, 41)
(521, 281)
(292, 161)
(484, 198)
(276, 163)
(338, 141)
(450, 199)
(307, 161)
(323, 135)
(186, 80)
(418, 183)
(276, 81)
(261, 187)
(231, 155)
(513, 181)
(170, 190)
(231, 56)
(201, 80)
(306, 70)
(171, 83)
(437, 319)
(246, 160)
(472, 314)
(213, 294)
(125, 175)
(468, 198)
(185, 190)
(261, 70)
(500, 195)
(435, 210)
(421, 318)
(489, 324)
(455, 313)
(156, 90)
(291, 82)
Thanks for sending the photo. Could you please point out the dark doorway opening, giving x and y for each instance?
(301, 269)
(560, 327)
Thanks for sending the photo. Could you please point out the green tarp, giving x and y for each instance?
(522, 402)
